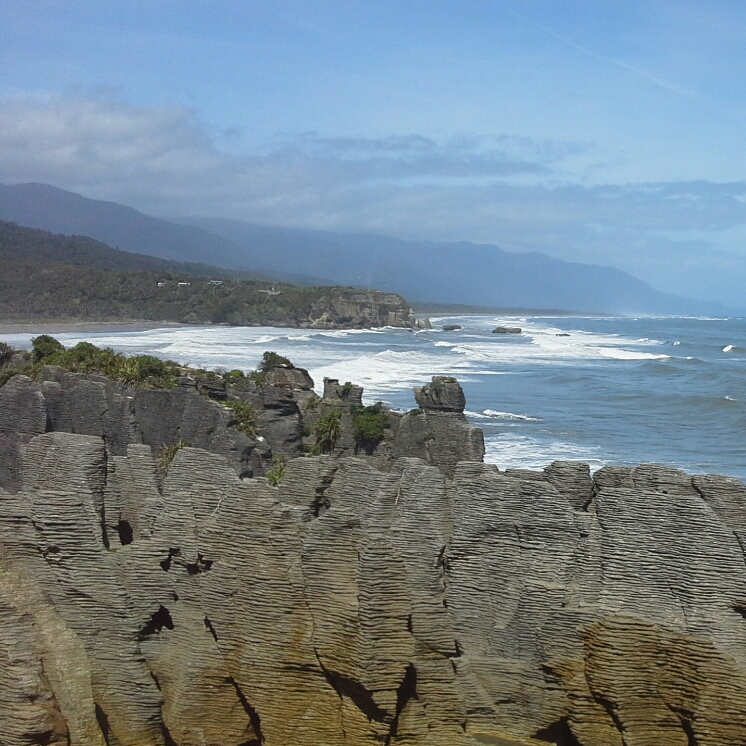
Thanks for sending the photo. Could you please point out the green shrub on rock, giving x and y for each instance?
(6, 353)
(44, 346)
(168, 454)
(326, 432)
(369, 425)
(277, 472)
(271, 360)
(246, 416)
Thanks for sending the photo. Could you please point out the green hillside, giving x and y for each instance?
(18, 243)
(48, 276)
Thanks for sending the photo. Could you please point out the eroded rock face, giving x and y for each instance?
(352, 605)
(195, 413)
(360, 309)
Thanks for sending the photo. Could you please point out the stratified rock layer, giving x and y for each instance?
(356, 606)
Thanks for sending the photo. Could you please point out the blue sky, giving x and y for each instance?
(600, 132)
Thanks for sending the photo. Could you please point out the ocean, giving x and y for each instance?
(598, 389)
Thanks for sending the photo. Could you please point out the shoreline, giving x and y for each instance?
(68, 327)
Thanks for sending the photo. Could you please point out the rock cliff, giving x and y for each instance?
(363, 600)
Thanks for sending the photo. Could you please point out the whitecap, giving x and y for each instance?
(509, 416)
(731, 398)
(727, 348)
(512, 451)
(676, 344)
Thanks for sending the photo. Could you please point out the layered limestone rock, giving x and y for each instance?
(360, 309)
(355, 606)
(437, 432)
(206, 412)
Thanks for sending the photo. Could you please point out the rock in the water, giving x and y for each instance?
(424, 323)
(507, 330)
(451, 327)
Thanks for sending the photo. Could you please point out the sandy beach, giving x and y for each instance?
(62, 327)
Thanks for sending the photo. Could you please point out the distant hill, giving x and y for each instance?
(59, 211)
(423, 271)
(21, 244)
(50, 276)
(453, 273)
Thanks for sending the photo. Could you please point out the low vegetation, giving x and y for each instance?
(6, 353)
(271, 360)
(277, 472)
(369, 425)
(246, 416)
(84, 357)
(168, 454)
(326, 432)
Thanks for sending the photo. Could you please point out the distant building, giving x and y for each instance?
(216, 282)
(161, 284)
(184, 284)
(269, 292)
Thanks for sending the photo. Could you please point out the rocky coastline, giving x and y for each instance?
(233, 560)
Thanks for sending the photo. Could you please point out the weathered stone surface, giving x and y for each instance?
(405, 593)
(360, 309)
(352, 605)
(443, 394)
(211, 412)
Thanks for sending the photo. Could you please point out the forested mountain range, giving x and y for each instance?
(422, 271)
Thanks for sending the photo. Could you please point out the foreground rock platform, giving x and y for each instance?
(353, 605)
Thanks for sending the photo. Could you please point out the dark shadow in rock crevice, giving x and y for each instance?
(406, 692)
(254, 719)
(158, 620)
(124, 529)
(103, 724)
(558, 733)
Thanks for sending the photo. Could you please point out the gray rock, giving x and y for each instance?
(507, 330)
(351, 605)
(443, 394)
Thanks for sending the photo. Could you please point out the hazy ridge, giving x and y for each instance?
(422, 271)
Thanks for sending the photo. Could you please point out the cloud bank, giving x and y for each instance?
(519, 193)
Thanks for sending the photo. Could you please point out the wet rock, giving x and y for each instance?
(507, 330)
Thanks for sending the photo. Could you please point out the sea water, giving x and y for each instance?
(601, 390)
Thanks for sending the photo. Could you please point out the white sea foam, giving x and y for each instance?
(389, 371)
(493, 414)
(727, 348)
(512, 451)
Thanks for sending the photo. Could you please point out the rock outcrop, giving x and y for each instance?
(399, 593)
(507, 330)
(359, 309)
(355, 606)
(197, 412)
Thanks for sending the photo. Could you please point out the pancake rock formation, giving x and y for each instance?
(362, 600)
